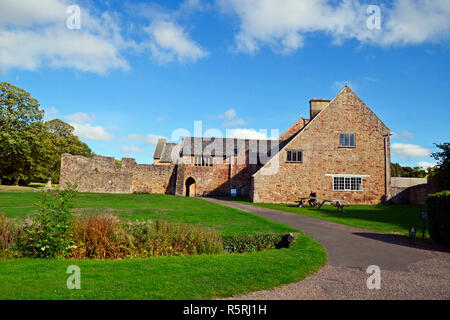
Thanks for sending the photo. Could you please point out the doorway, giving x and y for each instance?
(190, 187)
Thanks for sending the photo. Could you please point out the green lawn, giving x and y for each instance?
(176, 277)
(185, 277)
(394, 219)
(226, 221)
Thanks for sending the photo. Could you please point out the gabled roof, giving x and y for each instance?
(159, 148)
(166, 154)
(308, 124)
(224, 146)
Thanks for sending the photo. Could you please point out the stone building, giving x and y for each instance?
(341, 152)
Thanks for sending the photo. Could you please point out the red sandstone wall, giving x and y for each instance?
(322, 155)
(101, 174)
(154, 179)
(218, 179)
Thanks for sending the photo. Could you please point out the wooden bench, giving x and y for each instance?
(338, 203)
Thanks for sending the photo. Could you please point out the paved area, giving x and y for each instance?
(407, 272)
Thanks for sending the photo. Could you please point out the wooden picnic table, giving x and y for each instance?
(303, 200)
(338, 203)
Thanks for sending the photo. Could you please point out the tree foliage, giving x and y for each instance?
(398, 171)
(442, 172)
(59, 139)
(20, 133)
(30, 149)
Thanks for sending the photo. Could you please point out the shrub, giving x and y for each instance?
(251, 243)
(107, 237)
(8, 232)
(161, 238)
(438, 209)
(49, 234)
(101, 236)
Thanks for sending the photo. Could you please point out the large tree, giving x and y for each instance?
(59, 139)
(20, 133)
(30, 149)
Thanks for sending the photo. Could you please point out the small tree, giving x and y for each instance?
(442, 172)
(50, 233)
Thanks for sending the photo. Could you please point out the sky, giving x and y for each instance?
(125, 73)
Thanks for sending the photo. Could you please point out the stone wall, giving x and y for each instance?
(102, 174)
(319, 141)
(218, 179)
(410, 190)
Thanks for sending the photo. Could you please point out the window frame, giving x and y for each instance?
(349, 135)
(350, 183)
(294, 153)
(203, 161)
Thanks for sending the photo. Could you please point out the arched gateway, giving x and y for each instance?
(190, 187)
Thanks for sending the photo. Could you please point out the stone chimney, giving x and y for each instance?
(317, 105)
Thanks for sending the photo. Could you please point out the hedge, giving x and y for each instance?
(256, 242)
(438, 209)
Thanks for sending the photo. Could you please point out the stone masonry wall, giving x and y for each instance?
(218, 179)
(102, 174)
(322, 155)
(410, 190)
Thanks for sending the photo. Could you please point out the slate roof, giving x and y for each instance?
(159, 148)
(225, 146)
(166, 154)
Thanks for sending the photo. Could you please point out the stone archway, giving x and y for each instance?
(190, 187)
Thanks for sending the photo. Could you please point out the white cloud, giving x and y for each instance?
(230, 118)
(81, 117)
(25, 12)
(246, 134)
(85, 130)
(283, 25)
(416, 22)
(426, 164)
(405, 150)
(34, 33)
(131, 149)
(89, 132)
(169, 41)
(408, 134)
(404, 135)
(50, 114)
(149, 140)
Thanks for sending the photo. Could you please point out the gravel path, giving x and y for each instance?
(407, 272)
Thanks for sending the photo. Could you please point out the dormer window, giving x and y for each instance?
(347, 140)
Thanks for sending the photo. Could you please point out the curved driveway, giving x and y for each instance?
(407, 272)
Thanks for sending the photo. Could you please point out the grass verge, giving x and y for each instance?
(393, 219)
(226, 221)
(169, 277)
(172, 277)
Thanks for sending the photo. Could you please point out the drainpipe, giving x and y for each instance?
(229, 175)
(387, 162)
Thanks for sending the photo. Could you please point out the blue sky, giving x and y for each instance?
(137, 70)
